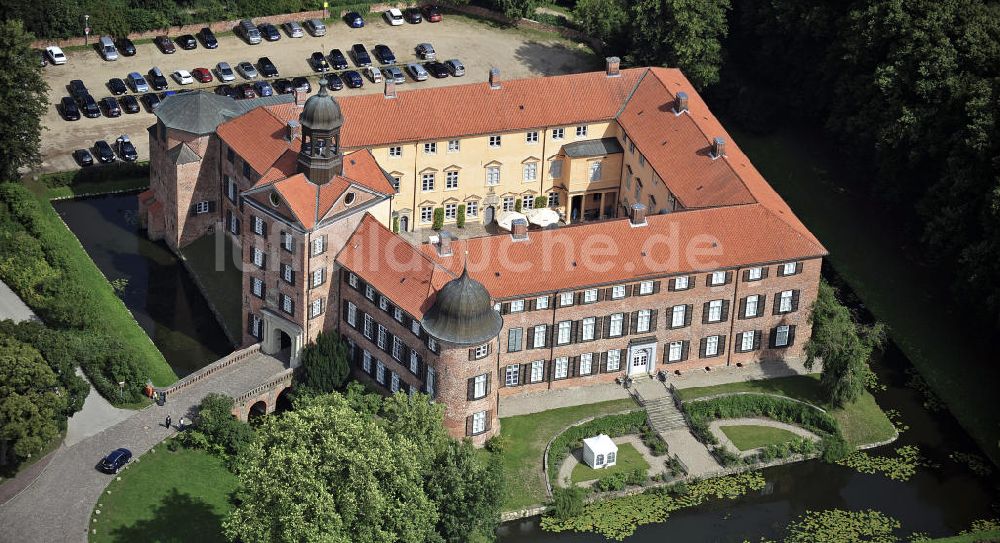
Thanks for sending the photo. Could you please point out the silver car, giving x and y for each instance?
(294, 30)
(394, 74)
(247, 70)
(316, 27)
(455, 66)
(426, 51)
(417, 72)
(225, 72)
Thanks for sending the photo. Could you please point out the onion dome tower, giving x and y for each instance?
(462, 313)
(320, 158)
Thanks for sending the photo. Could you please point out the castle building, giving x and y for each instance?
(675, 253)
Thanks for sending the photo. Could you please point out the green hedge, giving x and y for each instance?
(754, 405)
(611, 425)
(97, 174)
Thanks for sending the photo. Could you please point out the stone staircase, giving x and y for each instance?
(659, 403)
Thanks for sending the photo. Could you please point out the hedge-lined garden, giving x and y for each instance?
(611, 425)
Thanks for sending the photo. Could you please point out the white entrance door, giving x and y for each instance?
(640, 359)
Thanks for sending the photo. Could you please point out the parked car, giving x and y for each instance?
(426, 51)
(225, 72)
(117, 86)
(384, 54)
(353, 79)
(151, 100)
(394, 74)
(245, 90)
(437, 69)
(187, 42)
(202, 75)
(412, 16)
(89, 107)
(77, 89)
(360, 54)
(318, 62)
(118, 458)
(353, 19)
(455, 67)
(105, 155)
(417, 72)
(393, 16)
(55, 54)
(249, 31)
(83, 157)
(111, 107)
(374, 74)
(129, 104)
(126, 47)
(263, 88)
(432, 14)
(106, 46)
(70, 111)
(247, 70)
(225, 90)
(208, 38)
(182, 77)
(167, 94)
(338, 60)
(334, 82)
(301, 84)
(157, 80)
(125, 149)
(165, 44)
(269, 31)
(294, 30)
(283, 86)
(266, 67)
(137, 82)
(316, 27)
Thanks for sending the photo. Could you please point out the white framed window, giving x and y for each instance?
(558, 133)
(287, 274)
(529, 202)
(370, 292)
(586, 363)
(429, 382)
(397, 314)
(681, 283)
(507, 203)
(258, 257)
(715, 311)
(286, 304)
(234, 224)
(396, 180)
(788, 268)
(512, 375)
(675, 351)
(590, 296)
(352, 280)
(450, 211)
(472, 209)
(514, 339)
(678, 314)
(516, 306)
(432, 344)
(781, 336)
(717, 278)
(642, 160)
(631, 147)
(563, 335)
(430, 148)
(595, 171)
(561, 367)
(587, 328)
(711, 345)
(453, 146)
(380, 372)
(530, 171)
(565, 299)
(394, 383)
(751, 305)
(287, 241)
(555, 168)
(352, 314)
(316, 307)
(493, 175)
(537, 370)
(746, 340)
(258, 226)
(415, 327)
(369, 329)
(366, 361)
(414, 362)
(581, 131)
(426, 214)
(396, 151)
(319, 245)
(646, 287)
(382, 340)
(754, 274)
(540, 333)
(495, 141)
(255, 326)
(617, 292)
(542, 302)
(230, 189)
(553, 199)
(397, 348)
(785, 301)
(257, 286)
(201, 207)
(615, 327)
(479, 422)
(479, 386)
(318, 277)
(614, 360)
(531, 137)
(451, 180)
(427, 182)
(482, 350)
(642, 320)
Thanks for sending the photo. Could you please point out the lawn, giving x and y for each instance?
(862, 422)
(888, 271)
(166, 496)
(627, 460)
(221, 278)
(527, 436)
(746, 437)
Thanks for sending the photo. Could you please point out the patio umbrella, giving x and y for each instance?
(543, 217)
(508, 217)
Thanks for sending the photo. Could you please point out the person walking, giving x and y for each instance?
(168, 421)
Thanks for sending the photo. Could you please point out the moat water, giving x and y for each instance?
(160, 293)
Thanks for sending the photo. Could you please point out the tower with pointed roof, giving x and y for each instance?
(320, 158)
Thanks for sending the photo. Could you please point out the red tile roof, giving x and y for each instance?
(259, 137)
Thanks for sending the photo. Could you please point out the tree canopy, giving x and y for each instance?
(324, 363)
(32, 405)
(23, 100)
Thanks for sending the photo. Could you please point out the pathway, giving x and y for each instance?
(657, 464)
(669, 422)
(12, 307)
(57, 506)
(96, 415)
(716, 428)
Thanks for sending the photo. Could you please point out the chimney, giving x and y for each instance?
(637, 215)
(613, 64)
(494, 78)
(300, 98)
(718, 148)
(390, 88)
(294, 130)
(681, 102)
(444, 243)
(519, 230)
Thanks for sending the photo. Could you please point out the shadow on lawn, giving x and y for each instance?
(179, 518)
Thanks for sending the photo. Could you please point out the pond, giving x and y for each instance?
(160, 293)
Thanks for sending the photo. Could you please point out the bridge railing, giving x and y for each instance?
(214, 367)
(265, 386)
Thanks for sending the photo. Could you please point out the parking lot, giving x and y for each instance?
(478, 45)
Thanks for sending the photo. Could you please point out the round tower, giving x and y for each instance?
(320, 158)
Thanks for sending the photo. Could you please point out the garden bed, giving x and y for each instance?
(751, 437)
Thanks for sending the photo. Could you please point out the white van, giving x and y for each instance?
(108, 49)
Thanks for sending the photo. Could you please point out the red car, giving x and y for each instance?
(203, 75)
(432, 14)
(245, 90)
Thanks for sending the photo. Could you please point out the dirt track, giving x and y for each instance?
(479, 45)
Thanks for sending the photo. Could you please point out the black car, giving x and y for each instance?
(301, 84)
(126, 47)
(334, 82)
(111, 107)
(118, 458)
(432, 14)
(125, 149)
(77, 89)
(266, 67)
(437, 69)
(105, 154)
(360, 55)
(129, 104)
(269, 31)
(157, 80)
(338, 60)
(384, 54)
(165, 44)
(208, 38)
(318, 62)
(89, 107)
(187, 42)
(353, 79)
(282, 86)
(83, 157)
(151, 100)
(117, 86)
(245, 90)
(70, 111)
(412, 16)
(225, 90)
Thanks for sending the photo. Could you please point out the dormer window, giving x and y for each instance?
(349, 198)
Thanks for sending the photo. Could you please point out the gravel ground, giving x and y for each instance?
(479, 45)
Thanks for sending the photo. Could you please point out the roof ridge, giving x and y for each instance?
(631, 94)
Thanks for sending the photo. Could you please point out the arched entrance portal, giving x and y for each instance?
(404, 223)
(282, 338)
(256, 410)
(488, 214)
(284, 346)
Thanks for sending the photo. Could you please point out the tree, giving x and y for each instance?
(844, 345)
(685, 34)
(607, 20)
(438, 223)
(468, 493)
(23, 100)
(516, 9)
(324, 363)
(222, 431)
(32, 405)
(324, 472)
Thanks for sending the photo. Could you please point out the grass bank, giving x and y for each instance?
(527, 436)
(746, 438)
(627, 459)
(166, 496)
(862, 422)
(103, 179)
(870, 252)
